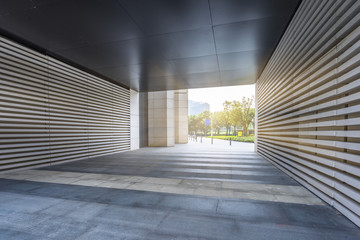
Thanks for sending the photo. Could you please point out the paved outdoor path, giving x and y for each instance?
(192, 191)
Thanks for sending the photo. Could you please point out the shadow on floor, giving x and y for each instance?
(192, 191)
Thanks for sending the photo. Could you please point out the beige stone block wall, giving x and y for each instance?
(161, 119)
(181, 116)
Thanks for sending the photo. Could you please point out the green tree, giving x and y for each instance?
(227, 116)
(202, 117)
(239, 114)
(247, 114)
(217, 121)
(235, 114)
(194, 124)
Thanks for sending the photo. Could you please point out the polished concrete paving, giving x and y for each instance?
(193, 191)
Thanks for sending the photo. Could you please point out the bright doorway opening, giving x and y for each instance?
(222, 113)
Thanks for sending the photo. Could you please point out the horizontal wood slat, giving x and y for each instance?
(308, 103)
(51, 112)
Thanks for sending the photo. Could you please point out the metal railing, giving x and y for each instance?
(199, 138)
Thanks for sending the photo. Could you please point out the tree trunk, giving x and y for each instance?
(245, 131)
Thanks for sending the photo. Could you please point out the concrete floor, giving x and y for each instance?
(193, 191)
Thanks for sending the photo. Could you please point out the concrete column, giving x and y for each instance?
(181, 116)
(161, 121)
(134, 120)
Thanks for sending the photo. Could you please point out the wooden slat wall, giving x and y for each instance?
(308, 103)
(51, 112)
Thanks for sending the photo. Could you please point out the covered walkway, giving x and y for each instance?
(192, 191)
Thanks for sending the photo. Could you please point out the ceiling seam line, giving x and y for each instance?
(132, 19)
(142, 30)
(216, 52)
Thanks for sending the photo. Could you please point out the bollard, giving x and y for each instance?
(212, 140)
(230, 141)
(201, 139)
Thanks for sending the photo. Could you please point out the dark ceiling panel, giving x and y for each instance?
(248, 35)
(71, 24)
(238, 77)
(128, 52)
(237, 60)
(164, 16)
(154, 44)
(230, 11)
(156, 69)
(207, 79)
(195, 64)
(9, 7)
(165, 82)
(186, 44)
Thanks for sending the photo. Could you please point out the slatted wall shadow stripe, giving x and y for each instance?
(51, 112)
(308, 103)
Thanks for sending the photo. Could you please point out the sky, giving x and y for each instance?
(217, 96)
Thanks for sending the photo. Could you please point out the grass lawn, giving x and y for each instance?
(235, 138)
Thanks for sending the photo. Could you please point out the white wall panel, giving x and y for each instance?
(51, 112)
(308, 100)
(135, 119)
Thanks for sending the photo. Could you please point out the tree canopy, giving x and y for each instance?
(236, 114)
